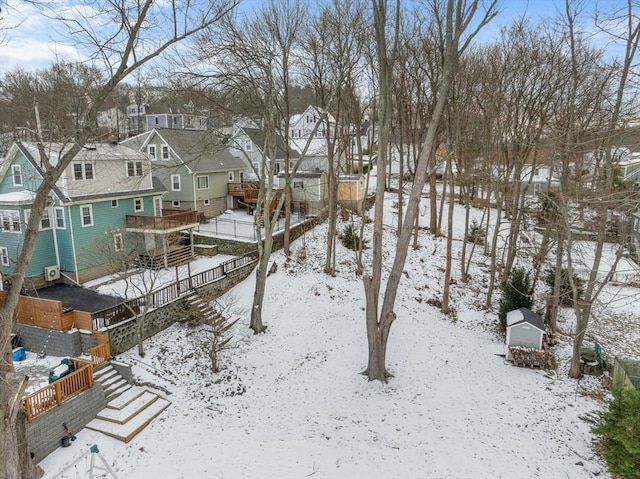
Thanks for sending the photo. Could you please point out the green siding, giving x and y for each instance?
(89, 240)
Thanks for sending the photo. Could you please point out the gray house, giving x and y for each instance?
(524, 329)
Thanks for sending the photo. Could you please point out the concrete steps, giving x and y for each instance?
(128, 414)
(112, 382)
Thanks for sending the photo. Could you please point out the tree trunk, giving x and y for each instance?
(329, 265)
(449, 264)
(14, 450)
(287, 215)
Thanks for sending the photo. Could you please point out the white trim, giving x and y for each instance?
(206, 187)
(4, 256)
(82, 223)
(164, 148)
(139, 201)
(173, 188)
(118, 243)
(153, 156)
(55, 218)
(18, 169)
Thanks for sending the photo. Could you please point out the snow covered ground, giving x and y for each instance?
(291, 403)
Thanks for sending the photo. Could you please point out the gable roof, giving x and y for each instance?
(531, 318)
(200, 150)
(258, 137)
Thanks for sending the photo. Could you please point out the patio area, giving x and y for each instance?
(237, 224)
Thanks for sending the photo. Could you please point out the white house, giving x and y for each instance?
(524, 329)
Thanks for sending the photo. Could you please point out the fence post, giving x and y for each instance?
(58, 391)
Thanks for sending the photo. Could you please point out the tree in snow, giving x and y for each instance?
(454, 19)
(118, 38)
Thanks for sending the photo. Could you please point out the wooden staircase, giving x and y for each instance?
(129, 413)
(176, 256)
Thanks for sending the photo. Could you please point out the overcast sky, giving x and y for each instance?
(30, 41)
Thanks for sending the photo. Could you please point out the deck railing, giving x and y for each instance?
(59, 391)
(161, 223)
(100, 354)
(165, 295)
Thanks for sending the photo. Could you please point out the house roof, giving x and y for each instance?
(257, 136)
(530, 317)
(200, 150)
(304, 174)
(158, 188)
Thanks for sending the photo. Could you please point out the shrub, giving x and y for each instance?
(476, 233)
(517, 292)
(566, 293)
(350, 238)
(619, 429)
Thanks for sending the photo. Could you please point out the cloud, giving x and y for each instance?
(32, 54)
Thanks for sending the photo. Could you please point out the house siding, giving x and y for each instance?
(88, 239)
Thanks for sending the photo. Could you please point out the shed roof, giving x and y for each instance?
(530, 317)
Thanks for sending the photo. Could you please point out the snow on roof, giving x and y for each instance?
(526, 316)
(22, 196)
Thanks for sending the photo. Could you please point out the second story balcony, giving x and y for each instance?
(168, 223)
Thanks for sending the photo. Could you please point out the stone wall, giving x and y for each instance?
(87, 341)
(48, 341)
(122, 336)
(123, 370)
(45, 432)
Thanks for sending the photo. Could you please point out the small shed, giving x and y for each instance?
(524, 329)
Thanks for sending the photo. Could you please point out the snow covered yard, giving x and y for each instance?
(291, 402)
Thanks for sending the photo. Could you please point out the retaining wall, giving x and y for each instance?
(49, 341)
(123, 336)
(45, 432)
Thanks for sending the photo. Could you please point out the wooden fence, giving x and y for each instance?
(59, 391)
(165, 295)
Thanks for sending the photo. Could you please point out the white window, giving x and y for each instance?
(298, 184)
(10, 220)
(83, 171)
(291, 165)
(248, 146)
(165, 152)
(256, 166)
(134, 168)
(117, 241)
(277, 168)
(114, 203)
(4, 256)
(175, 204)
(231, 177)
(45, 221)
(60, 222)
(175, 183)
(157, 120)
(151, 151)
(138, 205)
(207, 202)
(202, 182)
(86, 215)
(157, 206)
(17, 175)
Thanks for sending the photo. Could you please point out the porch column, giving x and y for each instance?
(193, 249)
(164, 251)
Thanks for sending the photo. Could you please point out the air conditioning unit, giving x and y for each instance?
(52, 272)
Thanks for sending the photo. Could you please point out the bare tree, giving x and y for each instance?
(455, 19)
(142, 31)
(333, 46)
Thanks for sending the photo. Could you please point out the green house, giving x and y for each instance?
(104, 201)
(194, 166)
